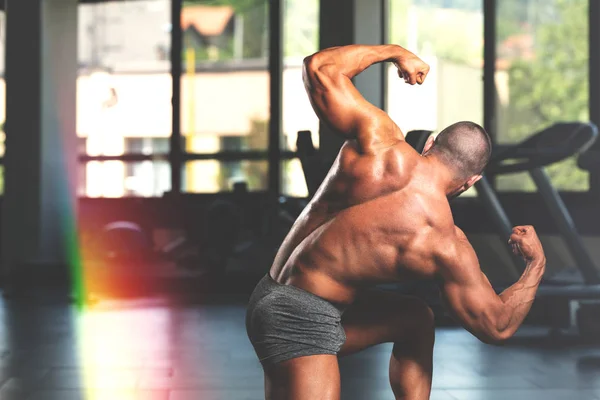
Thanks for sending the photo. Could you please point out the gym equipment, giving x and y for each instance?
(313, 165)
(206, 244)
(234, 236)
(124, 241)
(590, 161)
(222, 225)
(588, 312)
(587, 320)
(417, 139)
(551, 145)
(564, 303)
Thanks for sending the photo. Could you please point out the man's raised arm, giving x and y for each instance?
(327, 78)
(470, 298)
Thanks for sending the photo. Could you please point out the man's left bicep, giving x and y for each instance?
(338, 103)
(331, 96)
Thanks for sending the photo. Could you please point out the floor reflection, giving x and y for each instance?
(152, 349)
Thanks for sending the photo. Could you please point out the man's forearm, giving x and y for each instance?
(353, 59)
(519, 297)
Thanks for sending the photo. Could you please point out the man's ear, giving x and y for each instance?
(428, 144)
(473, 180)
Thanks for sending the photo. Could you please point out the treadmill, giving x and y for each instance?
(560, 298)
(590, 161)
(551, 145)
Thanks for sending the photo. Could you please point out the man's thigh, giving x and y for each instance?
(304, 378)
(379, 316)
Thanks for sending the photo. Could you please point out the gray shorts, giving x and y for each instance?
(285, 322)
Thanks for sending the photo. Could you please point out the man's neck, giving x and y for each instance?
(441, 175)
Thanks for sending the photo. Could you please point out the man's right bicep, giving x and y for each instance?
(469, 297)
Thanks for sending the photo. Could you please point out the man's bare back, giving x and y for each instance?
(372, 221)
(382, 214)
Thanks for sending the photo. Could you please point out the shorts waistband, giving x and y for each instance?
(279, 286)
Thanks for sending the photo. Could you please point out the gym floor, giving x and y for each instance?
(150, 349)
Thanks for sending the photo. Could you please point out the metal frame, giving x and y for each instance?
(275, 87)
(594, 80)
(273, 154)
(566, 226)
(594, 60)
(489, 84)
(489, 67)
(385, 38)
(175, 155)
(489, 70)
(251, 155)
(490, 202)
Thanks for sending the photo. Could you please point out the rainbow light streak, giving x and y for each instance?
(120, 349)
(128, 346)
(124, 350)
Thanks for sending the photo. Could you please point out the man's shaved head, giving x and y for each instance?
(465, 148)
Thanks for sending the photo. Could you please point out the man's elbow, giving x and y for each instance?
(309, 68)
(311, 63)
(495, 337)
(320, 65)
(495, 326)
(318, 74)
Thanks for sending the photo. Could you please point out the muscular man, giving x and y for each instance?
(381, 215)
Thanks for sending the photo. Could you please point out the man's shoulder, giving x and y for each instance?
(459, 234)
(448, 232)
(388, 169)
(454, 252)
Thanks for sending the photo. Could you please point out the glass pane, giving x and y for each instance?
(225, 82)
(541, 78)
(292, 179)
(124, 87)
(301, 38)
(212, 176)
(448, 35)
(121, 179)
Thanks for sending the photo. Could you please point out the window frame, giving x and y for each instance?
(489, 90)
(177, 157)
